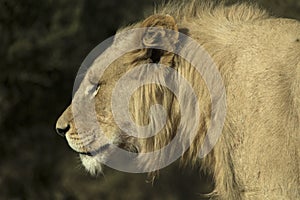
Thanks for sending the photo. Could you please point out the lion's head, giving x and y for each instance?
(82, 133)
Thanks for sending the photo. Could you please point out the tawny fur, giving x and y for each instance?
(258, 56)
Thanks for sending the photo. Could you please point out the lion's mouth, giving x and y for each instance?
(125, 144)
(97, 151)
(93, 160)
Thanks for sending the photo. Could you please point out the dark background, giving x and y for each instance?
(42, 44)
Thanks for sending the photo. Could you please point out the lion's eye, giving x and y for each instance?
(92, 90)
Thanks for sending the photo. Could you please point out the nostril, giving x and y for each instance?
(62, 131)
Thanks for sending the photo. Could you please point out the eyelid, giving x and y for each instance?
(94, 80)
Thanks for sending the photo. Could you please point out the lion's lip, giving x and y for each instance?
(97, 151)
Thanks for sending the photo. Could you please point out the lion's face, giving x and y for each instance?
(83, 133)
(91, 110)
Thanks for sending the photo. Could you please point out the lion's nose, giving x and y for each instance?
(62, 130)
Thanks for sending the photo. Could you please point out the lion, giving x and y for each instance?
(258, 58)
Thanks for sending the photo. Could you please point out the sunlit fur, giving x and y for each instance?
(258, 56)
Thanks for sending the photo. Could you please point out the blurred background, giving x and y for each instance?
(42, 44)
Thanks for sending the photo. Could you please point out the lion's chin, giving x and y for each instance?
(93, 163)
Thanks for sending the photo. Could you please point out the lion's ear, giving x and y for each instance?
(161, 33)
